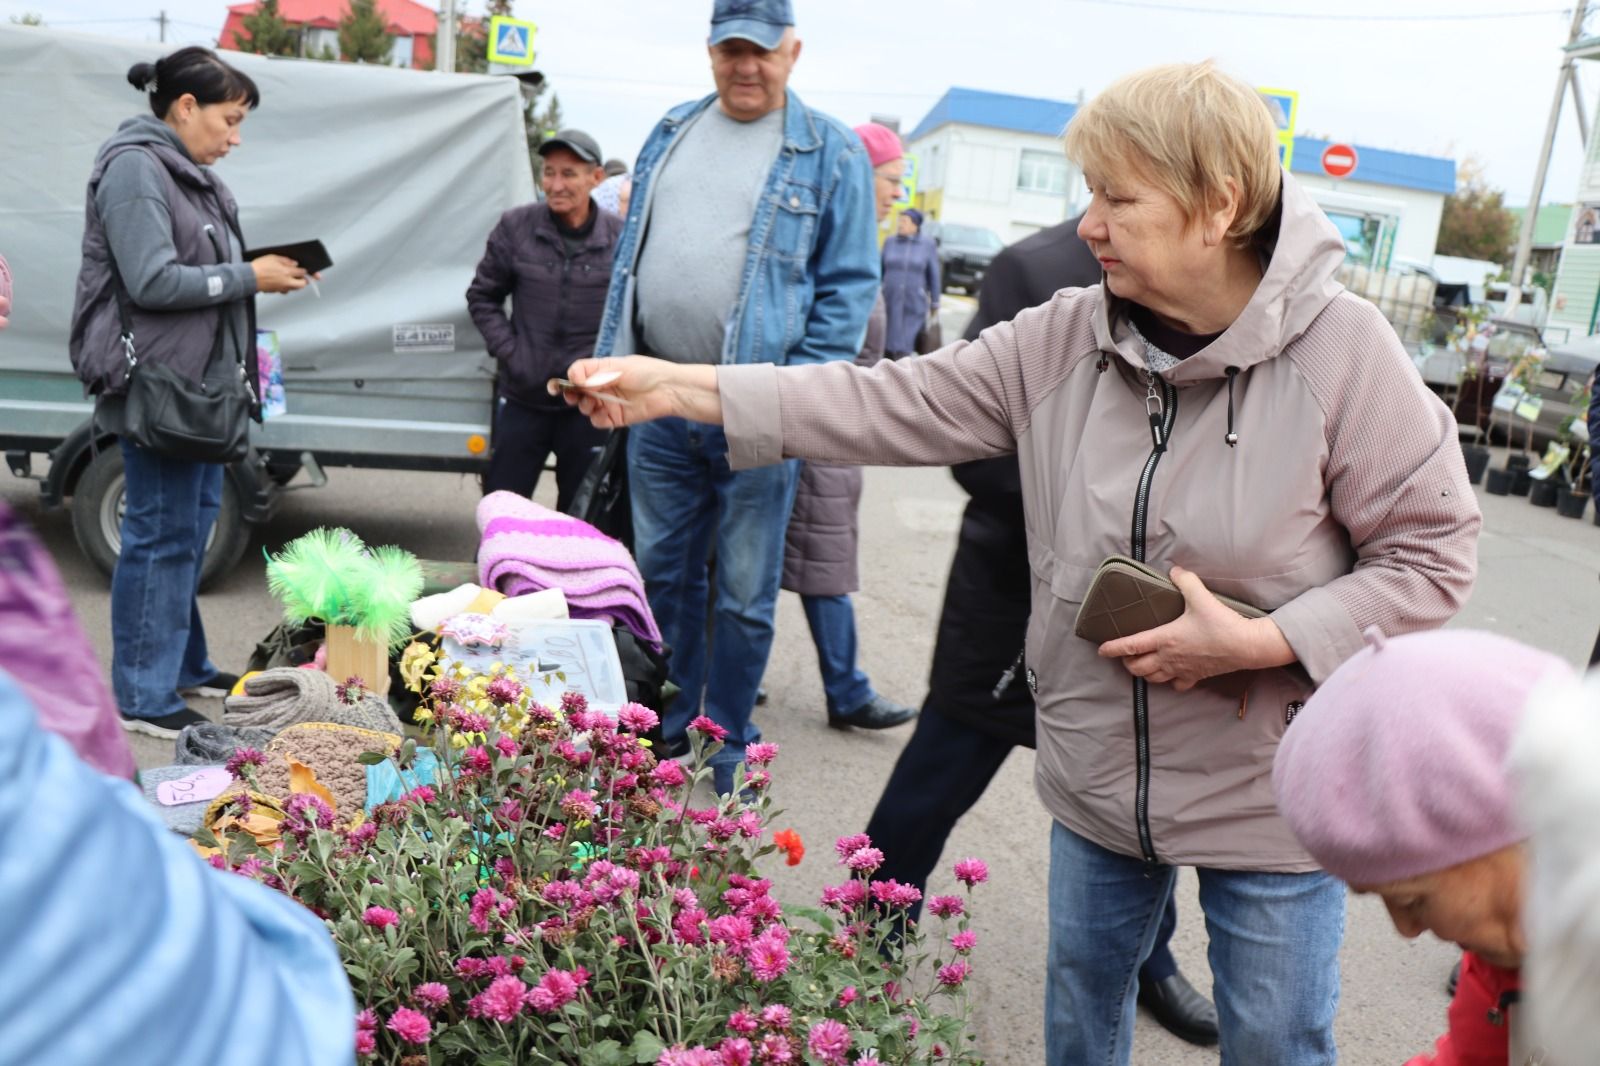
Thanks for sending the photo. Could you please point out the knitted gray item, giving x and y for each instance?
(287, 695)
(185, 818)
(211, 743)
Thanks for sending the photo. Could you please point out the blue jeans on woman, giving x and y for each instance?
(686, 501)
(833, 630)
(158, 643)
(1274, 956)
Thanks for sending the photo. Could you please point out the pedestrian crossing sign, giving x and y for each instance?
(511, 41)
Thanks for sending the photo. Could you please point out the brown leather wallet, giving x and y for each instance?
(1127, 597)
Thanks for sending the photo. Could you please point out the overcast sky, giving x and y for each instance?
(1443, 83)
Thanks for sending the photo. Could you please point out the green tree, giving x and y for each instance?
(363, 37)
(541, 124)
(266, 33)
(1476, 223)
(28, 18)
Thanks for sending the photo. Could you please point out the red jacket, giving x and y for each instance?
(1479, 1034)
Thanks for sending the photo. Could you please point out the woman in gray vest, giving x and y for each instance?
(163, 229)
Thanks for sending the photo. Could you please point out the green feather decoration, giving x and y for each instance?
(330, 575)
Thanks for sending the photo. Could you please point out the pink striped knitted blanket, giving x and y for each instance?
(527, 547)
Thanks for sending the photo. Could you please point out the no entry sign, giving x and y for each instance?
(1338, 160)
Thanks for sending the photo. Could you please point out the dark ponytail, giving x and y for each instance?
(194, 70)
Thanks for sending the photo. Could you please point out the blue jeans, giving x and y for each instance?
(158, 643)
(687, 502)
(833, 630)
(1274, 956)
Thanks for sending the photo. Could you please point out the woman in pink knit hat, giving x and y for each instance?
(1394, 778)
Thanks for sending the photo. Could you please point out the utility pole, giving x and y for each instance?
(163, 21)
(446, 59)
(1519, 263)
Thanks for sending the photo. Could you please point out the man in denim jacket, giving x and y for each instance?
(761, 247)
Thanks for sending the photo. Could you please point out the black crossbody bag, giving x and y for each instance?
(205, 421)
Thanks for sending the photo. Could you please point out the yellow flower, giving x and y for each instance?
(414, 664)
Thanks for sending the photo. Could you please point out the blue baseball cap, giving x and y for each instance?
(761, 21)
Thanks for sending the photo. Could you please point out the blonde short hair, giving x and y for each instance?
(1186, 128)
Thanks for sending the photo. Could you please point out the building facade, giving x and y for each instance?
(411, 25)
(995, 160)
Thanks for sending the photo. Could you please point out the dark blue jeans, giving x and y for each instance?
(941, 773)
(687, 500)
(158, 643)
(833, 629)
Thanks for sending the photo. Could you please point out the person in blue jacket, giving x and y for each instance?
(119, 944)
(911, 284)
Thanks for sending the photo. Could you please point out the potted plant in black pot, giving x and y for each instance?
(1516, 401)
(1474, 357)
(1574, 496)
(1548, 478)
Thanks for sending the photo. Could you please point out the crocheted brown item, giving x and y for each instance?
(331, 752)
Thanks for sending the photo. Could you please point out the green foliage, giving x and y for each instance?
(28, 18)
(330, 575)
(266, 33)
(572, 906)
(1476, 223)
(363, 36)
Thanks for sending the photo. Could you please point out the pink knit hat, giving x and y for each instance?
(883, 144)
(1396, 766)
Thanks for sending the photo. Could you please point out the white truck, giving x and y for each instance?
(400, 173)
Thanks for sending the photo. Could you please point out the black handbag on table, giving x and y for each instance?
(602, 496)
(205, 421)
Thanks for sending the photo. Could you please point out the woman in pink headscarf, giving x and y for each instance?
(820, 553)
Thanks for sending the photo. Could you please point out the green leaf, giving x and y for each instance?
(204, 838)
(604, 1053)
(371, 758)
(646, 1047)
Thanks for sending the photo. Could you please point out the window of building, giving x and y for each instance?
(321, 41)
(400, 54)
(1039, 171)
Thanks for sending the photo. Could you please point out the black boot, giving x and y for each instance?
(1182, 1011)
(876, 713)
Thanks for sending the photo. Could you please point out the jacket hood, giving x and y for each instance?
(147, 130)
(1295, 288)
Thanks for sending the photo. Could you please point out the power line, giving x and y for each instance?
(1327, 16)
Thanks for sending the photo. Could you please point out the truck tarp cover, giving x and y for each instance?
(400, 173)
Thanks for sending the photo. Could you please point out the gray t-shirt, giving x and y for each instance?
(699, 231)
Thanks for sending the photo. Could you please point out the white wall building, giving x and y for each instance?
(995, 160)
(1575, 303)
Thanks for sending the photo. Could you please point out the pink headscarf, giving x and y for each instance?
(883, 144)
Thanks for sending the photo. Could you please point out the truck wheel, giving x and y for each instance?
(97, 520)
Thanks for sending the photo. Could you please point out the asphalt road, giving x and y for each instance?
(1537, 583)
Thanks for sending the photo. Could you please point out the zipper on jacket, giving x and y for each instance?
(1161, 404)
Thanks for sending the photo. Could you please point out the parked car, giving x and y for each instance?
(965, 252)
(1558, 383)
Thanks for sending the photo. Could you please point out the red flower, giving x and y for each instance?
(789, 841)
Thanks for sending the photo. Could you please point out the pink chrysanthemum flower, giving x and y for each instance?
(946, 906)
(709, 729)
(776, 1017)
(420, 794)
(556, 989)
(380, 917)
(848, 846)
(367, 1019)
(760, 754)
(972, 872)
(637, 718)
(964, 941)
(669, 775)
(502, 1001)
(776, 1050)
(506, 746)
(411, 1026)
(244, 757)
(867, 1058)
(579, 804)
(743, 1022)
(892, 893)
(767, 957)
(952, 975)
(444, 689)
(865, 861)
(366, 1043)
(735, 1051)
(847, 996)
(351, 691)
(504, 690)
(829, 1041)
(431, 995)
(469, 722)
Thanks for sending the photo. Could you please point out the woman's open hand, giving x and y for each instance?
(627, 390)
(276, 273)
(1210, 639)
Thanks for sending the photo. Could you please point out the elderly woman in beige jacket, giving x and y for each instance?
(1220, 408)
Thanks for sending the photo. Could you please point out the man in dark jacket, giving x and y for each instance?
(978, 705)
(553, 258)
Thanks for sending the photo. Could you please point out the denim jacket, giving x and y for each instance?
(811, 271)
